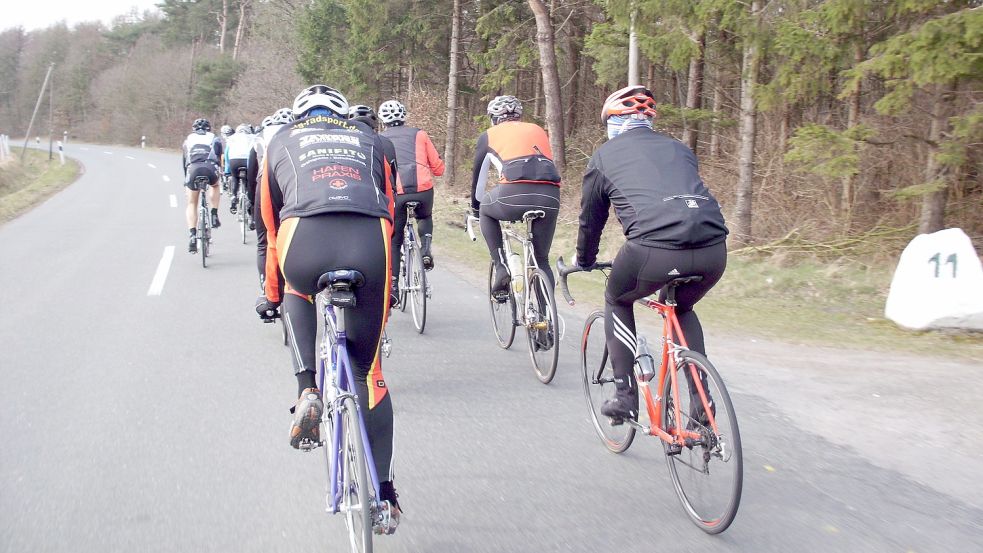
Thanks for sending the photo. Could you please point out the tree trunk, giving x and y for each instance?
(242, 24)
(449, 147)
(551, 81)
(852, 120)
(694, 91)
(537, 105)
(745, 178)
(933, 204)
(223, 22)
(718, 108)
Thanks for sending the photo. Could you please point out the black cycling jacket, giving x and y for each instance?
(659, 198)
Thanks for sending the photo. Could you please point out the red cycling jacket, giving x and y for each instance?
(416, 159)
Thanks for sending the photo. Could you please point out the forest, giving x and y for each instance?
(824, 127)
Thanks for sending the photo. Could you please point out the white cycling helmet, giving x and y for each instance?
(391, 112)
(283, 116)
(320, 96)
(504, 107)
(267, 121)
(226, 130)
(244, 128)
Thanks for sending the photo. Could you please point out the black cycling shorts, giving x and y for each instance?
(201, 169)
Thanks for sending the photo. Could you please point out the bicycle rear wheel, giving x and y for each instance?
(203, 235)
(356, 493)
(541, 327)
(708, 476)
(404, 281)
(502, 313)
(598, 376)
(242, 216)
(418, 288)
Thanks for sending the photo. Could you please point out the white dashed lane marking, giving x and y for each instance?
(166, 178)
(173, 200)
(108, 153)
(129, 157)
(160, 277)
(151, 165)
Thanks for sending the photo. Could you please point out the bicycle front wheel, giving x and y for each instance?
(541, 327)
(357, 492)
(708, 475)
(418, 288)
(598, 375)
(502, 313)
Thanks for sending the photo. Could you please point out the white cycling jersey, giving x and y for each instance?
(238, 145)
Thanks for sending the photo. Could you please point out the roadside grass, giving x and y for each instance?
(804, 301)
(25, 185)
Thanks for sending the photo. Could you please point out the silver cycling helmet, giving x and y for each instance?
(267, 121)
(504, 107)
(283, 116)
(320, 96)
(391, 112)
(226, 130)
(244, 128)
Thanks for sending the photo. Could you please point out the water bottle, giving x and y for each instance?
(644, 362)
(515, 267)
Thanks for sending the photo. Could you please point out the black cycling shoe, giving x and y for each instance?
(305, 432)
(623, 406)
(426, 253)
(252, 225)
(233, 206)
(215, 222)
(193, 244)
(502, 279)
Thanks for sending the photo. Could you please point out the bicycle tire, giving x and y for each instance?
(598, 378)
(696, 460)
(356, 497)
(241, 215)
(203, 236)
(544, 344)
(502, 314)
(418, 289)
(403, 283)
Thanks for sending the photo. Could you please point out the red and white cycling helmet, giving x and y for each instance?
(631, 100)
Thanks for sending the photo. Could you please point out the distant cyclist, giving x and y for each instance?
(326, 196)
(671, 221)
(237, 149)
(201, 152)
(528, 179)
(418, 163)
(224, 133)
(254, 166)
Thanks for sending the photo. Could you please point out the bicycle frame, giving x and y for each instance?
(673, 342)
(528, 262)
(409, 238)
(335, 367)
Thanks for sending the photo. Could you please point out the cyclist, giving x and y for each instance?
(368, 116)
(328, 177)
(418, 163)
(224, 133)
(254, 166)
(237, 149)
(672, 225)
(200, 156)
(528, 180)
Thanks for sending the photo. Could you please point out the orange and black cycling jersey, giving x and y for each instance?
(519, 151)
(417, 159)
(321, 164)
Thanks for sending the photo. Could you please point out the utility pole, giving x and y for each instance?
(633, 78)
(51, 120)
(36, 106)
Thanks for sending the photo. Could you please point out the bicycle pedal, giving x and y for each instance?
(616, 421)
(309, 445)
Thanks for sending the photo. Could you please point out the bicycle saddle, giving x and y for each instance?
(533, 214)
(683, 280)
(411, 205)
(340, 279)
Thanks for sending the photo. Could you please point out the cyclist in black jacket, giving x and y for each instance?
(671, 221)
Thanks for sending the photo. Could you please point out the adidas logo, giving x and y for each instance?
(674, 272)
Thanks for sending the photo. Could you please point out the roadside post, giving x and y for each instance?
(143, 142)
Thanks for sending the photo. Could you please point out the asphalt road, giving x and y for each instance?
(135, 422)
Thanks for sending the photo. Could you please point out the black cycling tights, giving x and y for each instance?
(424, 221)
(508, 202)
(323, 243)
(234, 166)
(640, 271)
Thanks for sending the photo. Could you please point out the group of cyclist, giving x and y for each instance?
(332, 189)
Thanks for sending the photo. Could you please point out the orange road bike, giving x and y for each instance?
(685, 403)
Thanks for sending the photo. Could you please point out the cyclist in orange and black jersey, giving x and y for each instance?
(327, 200)
(418, 163)
(528, 180)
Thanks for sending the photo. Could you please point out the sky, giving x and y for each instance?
(38, 14)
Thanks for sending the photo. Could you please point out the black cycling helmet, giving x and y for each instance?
(201, 125)
(364, 114)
